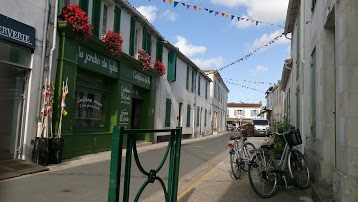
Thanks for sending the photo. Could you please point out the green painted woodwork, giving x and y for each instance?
(173, 150)
(313, 5)
(84, 5)
(199, 85)
(147, 41)
(159, 53)
(96, 17)
(192, 80)
(187, 77)
(168, 108)
(132, 37)
(197, 116)
(80, 141)
(188, 110)
(205, 117)
(172, 65)
(206, 90)
(117, 19)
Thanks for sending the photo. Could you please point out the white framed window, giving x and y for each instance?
(104, 18)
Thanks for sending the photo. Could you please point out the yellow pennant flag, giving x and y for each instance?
(200, 8)
(170, 1)
(226, 15)
(252, 20)
(64, 113)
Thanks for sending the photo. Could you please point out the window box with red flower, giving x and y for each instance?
(144, 59)
(159, 66)
(75, 16)
(114, 42)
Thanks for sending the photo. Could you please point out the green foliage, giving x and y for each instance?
(279, 142)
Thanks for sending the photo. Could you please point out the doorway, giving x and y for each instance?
(136, 121)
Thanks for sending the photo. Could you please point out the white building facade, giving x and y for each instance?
(244, 112)
(321, 90)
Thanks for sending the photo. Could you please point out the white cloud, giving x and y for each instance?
(209, 63)
(266, 38)
(261, 68)
(169, 15)
(149, 12)
(263, 10)
(188, 49)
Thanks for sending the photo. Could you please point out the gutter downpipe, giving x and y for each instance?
(302, 48)
(44, 47)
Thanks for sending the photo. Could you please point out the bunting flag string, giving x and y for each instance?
(256, 82)
(243, 86)
(223, 14)
(250, 54)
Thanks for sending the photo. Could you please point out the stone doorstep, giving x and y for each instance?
(322, 193)
(16, 167)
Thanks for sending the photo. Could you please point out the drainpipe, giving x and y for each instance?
(54, 36)
(303, 62)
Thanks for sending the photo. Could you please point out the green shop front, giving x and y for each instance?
(103, 91)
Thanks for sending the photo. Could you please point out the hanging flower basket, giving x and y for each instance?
(144, 58)
(159, 66)
(75, 16)
(114, 42)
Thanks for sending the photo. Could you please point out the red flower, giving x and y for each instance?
(159, 66)
(144, 58)
(114, 42)
(75, 16)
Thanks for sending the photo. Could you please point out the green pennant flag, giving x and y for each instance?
(210, 11)
(183, 4)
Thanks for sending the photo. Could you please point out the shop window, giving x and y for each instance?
(172, 66)
(90, 109)
(13, 54)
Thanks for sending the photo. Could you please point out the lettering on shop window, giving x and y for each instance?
(97, 60)
(125, 95)
(85, 102)
(124, 116)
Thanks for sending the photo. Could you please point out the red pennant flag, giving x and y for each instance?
(194, 7)
(223, 14)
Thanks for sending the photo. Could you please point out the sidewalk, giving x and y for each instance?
(219, 185)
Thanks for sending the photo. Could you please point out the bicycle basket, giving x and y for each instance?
(293, 138)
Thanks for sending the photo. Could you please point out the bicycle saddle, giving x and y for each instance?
(267, 146)
(235, 137)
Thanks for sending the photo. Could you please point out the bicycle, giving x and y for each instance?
(240, 153)
(263, 173)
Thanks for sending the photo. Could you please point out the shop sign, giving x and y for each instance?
(97, 62)
(141, 78)
(17, 32)
(125, 104)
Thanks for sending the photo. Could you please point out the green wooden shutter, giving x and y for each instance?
(199, 85)
(168, 106)
(96, 17)
(172, 63)
(84, 5)
(192, 80)
(187, 77)
(61, 4)
(206, 90)
(132, 39)
(117, 19)
(144, 41)
(159, 54)
(149, 43)
(206, 111)
(197, 116)
(188, 116)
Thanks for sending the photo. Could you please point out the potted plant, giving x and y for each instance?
(114, 42)
(279, 142)
(144, 58)
(76, 17)
(159, 66)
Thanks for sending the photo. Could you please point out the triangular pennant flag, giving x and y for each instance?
(238, 18)
(247, 20)
(257, 22)
(223, 14)
(252, 20)
(200, 8)
(216, 13)
(232, 17)
(187, 6)
(175, 3)
(164, 1)
(206, 9)
(210, 11)
(226, 15)
(170, 1)
(242, 18)
(195, 7)
(183, 4)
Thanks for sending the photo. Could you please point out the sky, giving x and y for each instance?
(216, 41)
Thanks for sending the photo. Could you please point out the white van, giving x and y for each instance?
(262, 126)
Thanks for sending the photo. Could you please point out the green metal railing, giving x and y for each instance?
(173, 148)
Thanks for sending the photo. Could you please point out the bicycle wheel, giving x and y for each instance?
(235, 168)
(262, 179)
(247, 152)
(299, 169)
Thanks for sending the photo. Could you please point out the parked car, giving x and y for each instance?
(261, 127)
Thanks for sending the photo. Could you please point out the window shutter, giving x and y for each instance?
(149, 43)
(187, 77)
(199, 85)
(168, 106)
(96, 18)
(172, 66)
(117, 19)
(197, 116)
(159, 54)
(206, 90)
(84, 5)
(205, 117)
(144, 39)
(188, 116)
(131, 39)
(192, 80)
